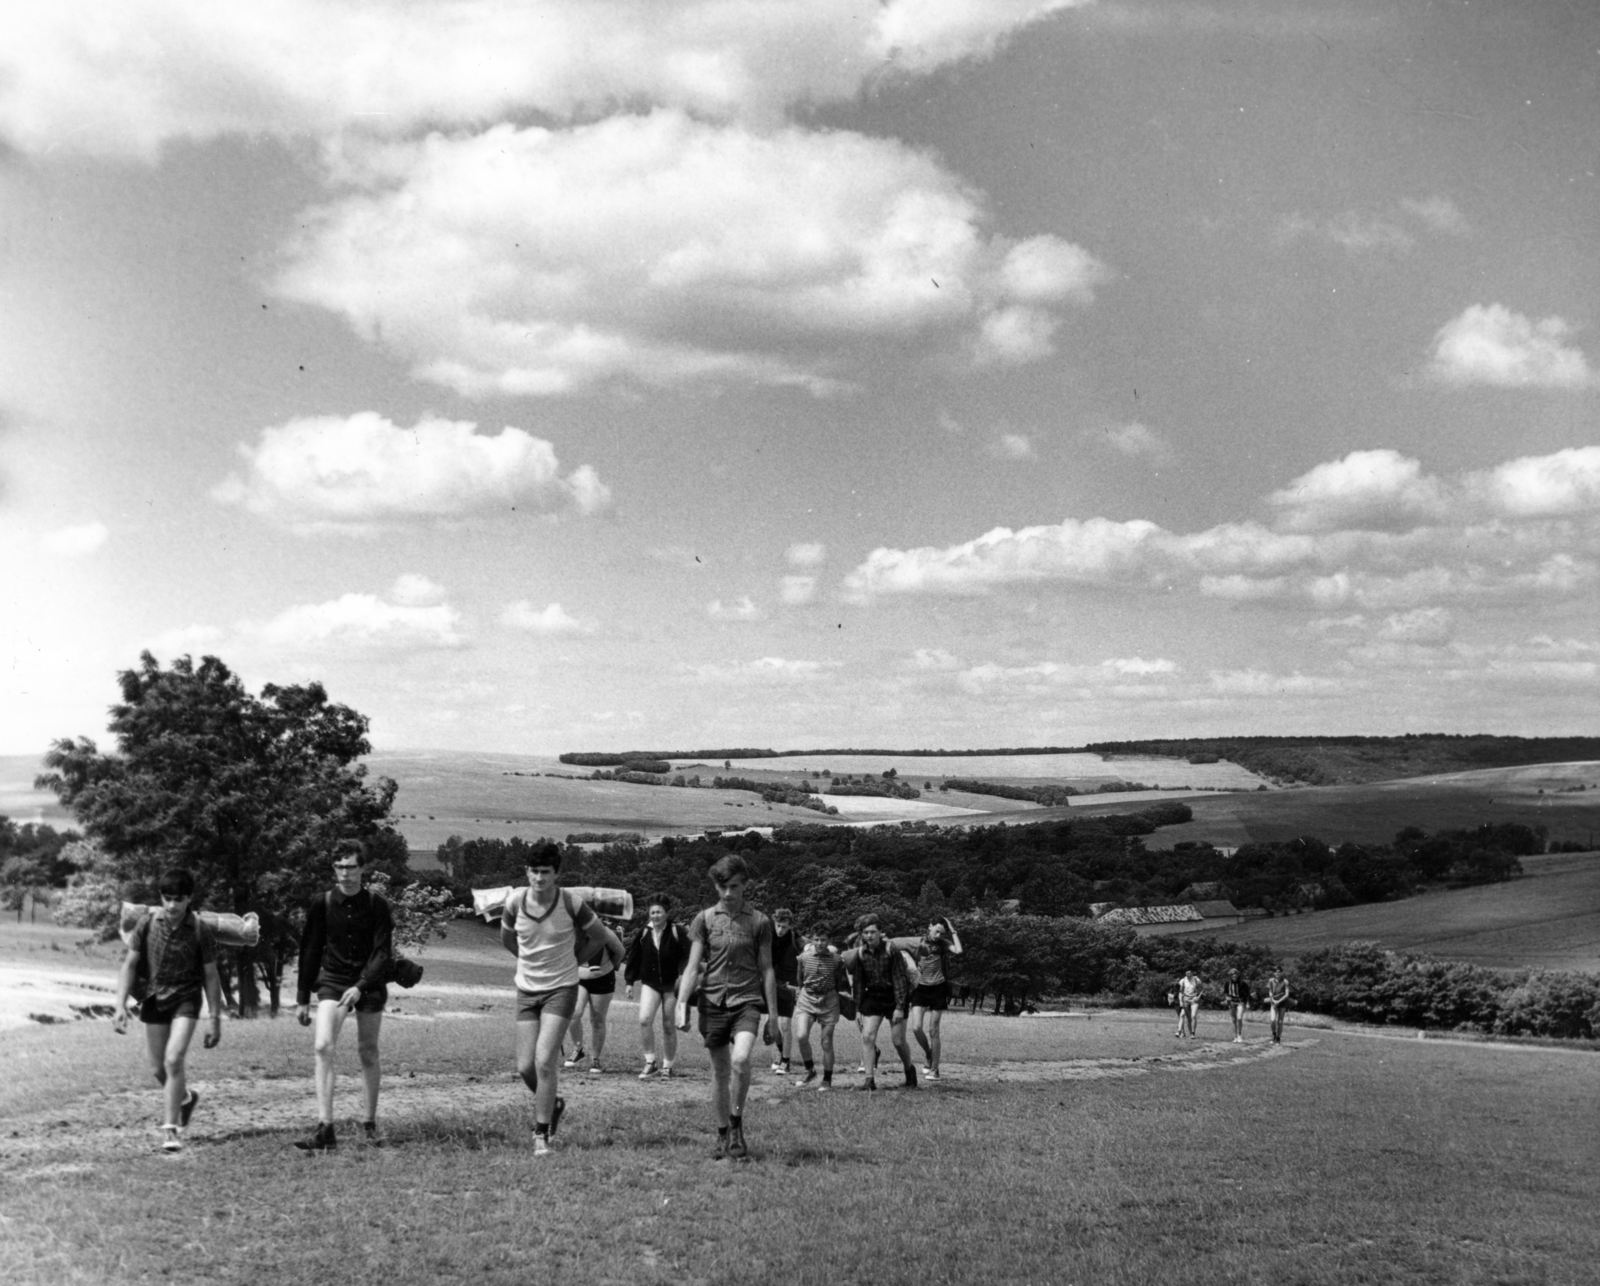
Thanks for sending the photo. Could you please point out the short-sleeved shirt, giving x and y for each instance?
(732, 953)
(1188, 990)
(547, 942)
(175, 954)
(1236, 992)
(929, 959)
(1278, 989)
(821, 975)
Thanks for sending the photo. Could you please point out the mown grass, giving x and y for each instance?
(1343, 1161)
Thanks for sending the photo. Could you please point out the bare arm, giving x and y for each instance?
(687, 982)
(125, 977)
(213, 1004)
(955, 938)
(769, 983)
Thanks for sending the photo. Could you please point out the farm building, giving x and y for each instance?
(1187, 917)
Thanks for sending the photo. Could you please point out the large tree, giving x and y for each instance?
(251, 793)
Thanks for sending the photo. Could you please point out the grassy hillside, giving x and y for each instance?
(1547, 919)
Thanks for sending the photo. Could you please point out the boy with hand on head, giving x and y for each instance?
(345, 953)
(930, 997)
(819, 978)
(176, 953)
(547, 929)
(732, 943)
(881, 986)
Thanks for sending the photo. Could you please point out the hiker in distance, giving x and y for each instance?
(177, 957)
(1236, 995)
(730, 963)
(881, 987)
(345, 953)
(930, 997)
(655, 958)
(549, 930)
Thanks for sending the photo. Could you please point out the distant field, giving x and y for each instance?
(1084, 770)
(1548, 919)
(20, 801)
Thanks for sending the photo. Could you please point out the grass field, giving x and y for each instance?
(1056, 1150)
(1547, 919)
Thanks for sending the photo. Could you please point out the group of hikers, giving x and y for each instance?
(1236, 996)
(747, 975)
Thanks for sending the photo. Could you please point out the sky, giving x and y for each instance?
(604, 374)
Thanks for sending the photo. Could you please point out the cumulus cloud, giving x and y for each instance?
(1260, 683)
(1136, 441)
(1490, 344)
(491, 261)
(547, 621)
(1371, 531)
(806, 554)
(1366, 488)
(122, 77)
(77, 541)
(763, 669)
(360, 623)
(1421, 625)
(933, 658)
(1118, 676)
(796, 591)
(740, 610)
(1437, 213)
(1012, 446)
(1362, 232)
(362, 472)
(416, 591)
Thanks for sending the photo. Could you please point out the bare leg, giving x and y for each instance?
(329, 1022)
(935, 1021)
(827, 1049)
(919, 1016)
(539, 1060)
(744, 1044)
(869, 1044)
(669, 1033)
(599, 1007)
(802, 1035)
(367, 1028)
(649, 1007)
(721, 1074)
(897, 1038)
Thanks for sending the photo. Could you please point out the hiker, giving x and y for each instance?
(785, 951)
(548, 928)
(881, 988)
(345, 954)
(655, 959)
(1236, 995)
(597, 984)
(820, 976)
(730, 963)
(1188, 1002)
(1177, 1006)
(176, 957)
(1278, 999)
(930, 997)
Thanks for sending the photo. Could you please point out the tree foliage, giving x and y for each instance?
(251, 793)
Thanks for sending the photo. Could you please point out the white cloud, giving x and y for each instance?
(933, 658)
(122, 77)
(360, 472)
(806, 554)
(550, 620)
(1012, 446)
(1365, 489)
(1421, 625)
(741, 610)
(416, 591)
(76, 541)
(1438, 213)
(766, 668)
(1490, 344)
(360, 622)
(1566, 482)
(491, 261)
(1358, 233)
(1135, 440)
(1137, 665)
(1259, 683)
(796, 591)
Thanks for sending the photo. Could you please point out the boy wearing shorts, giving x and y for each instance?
(544, 926)
(731, 945)
(1188, 1002)
(344, 956)
(176, 953)
(819, 978)
(881, 987)
(1236, 995)
(930, 997)
(1278, 999)
(785, 951)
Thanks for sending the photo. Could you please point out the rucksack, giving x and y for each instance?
(586, 943)
(144, 974)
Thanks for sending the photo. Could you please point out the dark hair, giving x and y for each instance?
(726, 868)
(783, 913)
(863, 921)
(662, 900)
(545, 852)
(349, 848)
(176, 883)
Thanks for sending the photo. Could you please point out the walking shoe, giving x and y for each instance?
(171, 1138)
(825, 1088)
(868, 1084)
(541, 1146)
(595, 1069)
(720, 1152)
(186, 1109)
(649, 1071)
(736, 1148)
(555, 1114)
(862, 1069)
(321, 1138)
(577, 1058)
(930, 1073)
(667, 1070)
(911, 1078)
(369, 1134)
(805, 1080)
(777, 1069)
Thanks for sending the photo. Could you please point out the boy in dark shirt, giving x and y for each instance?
(881, 986)
(1236, 994)
(785, 951)
(344, 957)
(179, 959)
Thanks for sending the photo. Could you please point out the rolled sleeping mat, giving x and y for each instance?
(491, 903)
(614, 904)
(228, 929)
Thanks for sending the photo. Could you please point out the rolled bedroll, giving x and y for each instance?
(228, 929)
(614, 904)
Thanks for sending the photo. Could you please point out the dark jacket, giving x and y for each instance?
(656, 968)
(878, 970)
(346, 943)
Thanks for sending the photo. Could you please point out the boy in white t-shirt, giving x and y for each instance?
(543, 926)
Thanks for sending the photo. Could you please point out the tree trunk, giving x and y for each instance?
(249, 992)
(225, 967)
(271, 967)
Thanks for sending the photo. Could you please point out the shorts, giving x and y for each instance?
(604, 985)
(558, 1002)
(372, 1000)
(160, 1013)
(880, 1004)
(785, 1000)
(824, 1011)
(931, 996)
(719, 1024)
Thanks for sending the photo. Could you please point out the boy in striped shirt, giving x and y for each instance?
(819, 978)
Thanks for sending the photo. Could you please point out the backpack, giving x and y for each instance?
(401, 969)
(586, 943)
(143, 974)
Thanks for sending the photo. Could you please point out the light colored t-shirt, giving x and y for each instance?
(1189, 990)
(547, 955)
(929, 967)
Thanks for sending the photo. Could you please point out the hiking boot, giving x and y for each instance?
(541, 1146)
(737, 1151)
(805, 1080)
(370, 1135)
(321, 1139)
(171, 1138)
(911, 1079)
(186, 1109)
(555, 1114)
(868, 1084)
(720, 1152)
